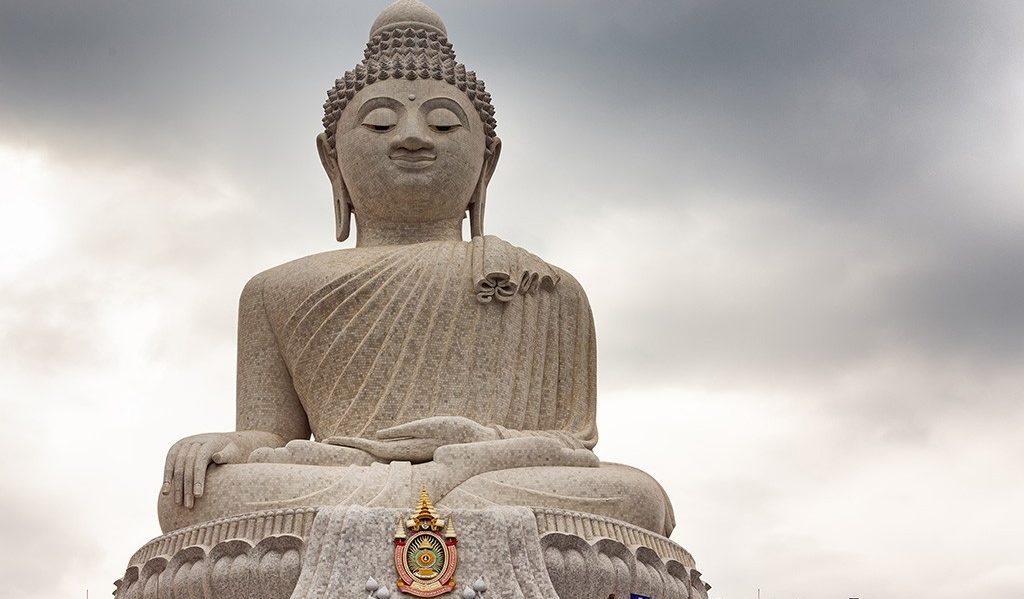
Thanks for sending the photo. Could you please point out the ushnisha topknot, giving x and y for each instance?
(408, 41)
(405, 14)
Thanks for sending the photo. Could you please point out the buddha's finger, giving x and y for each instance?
(202, 462)
(367, 445)
(190, 468)
(581, 458)
(519, 452)
(231, 454)
(264, 455)
(172, 455)
(300, 450)
(304, 451)
(412, 450)
(179, 471)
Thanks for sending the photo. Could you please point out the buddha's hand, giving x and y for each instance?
(455, 464)
(187, 460)
(517, 452)
(312, 453)
(416, 441)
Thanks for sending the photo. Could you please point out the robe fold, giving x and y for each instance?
(379, 336)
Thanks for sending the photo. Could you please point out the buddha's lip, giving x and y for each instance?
(413, 159)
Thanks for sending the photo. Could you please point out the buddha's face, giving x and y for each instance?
(409, 151)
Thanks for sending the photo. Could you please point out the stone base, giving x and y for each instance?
(327, 553)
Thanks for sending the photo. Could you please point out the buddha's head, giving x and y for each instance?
(409, 132)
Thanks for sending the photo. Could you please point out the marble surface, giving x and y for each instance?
(331, 552)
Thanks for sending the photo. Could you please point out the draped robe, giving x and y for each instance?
(354, 341)
(368, 338)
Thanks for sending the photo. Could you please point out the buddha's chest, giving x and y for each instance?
(358, 315)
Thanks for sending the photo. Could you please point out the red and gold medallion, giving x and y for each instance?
(426, 551)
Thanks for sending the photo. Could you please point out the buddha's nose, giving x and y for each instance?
(412, 134)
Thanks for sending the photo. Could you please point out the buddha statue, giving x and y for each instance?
(415, 358)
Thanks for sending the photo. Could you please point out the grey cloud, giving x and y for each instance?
(796, 298)
(816, 204)
(837, 104)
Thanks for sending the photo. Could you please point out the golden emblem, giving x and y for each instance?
(425, 551)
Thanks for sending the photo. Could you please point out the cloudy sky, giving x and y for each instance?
(800, 223)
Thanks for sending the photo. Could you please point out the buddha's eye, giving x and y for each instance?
(381, 120)
(443, 120)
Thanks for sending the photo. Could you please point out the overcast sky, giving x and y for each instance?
(800, 224)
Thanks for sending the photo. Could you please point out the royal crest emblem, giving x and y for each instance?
(426, 551)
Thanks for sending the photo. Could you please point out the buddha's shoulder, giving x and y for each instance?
(563, 279)
(503, 255)
(313, 270)
(570, 288)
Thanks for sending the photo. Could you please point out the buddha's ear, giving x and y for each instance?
(479, 199)
(491, 160)
(342, 204)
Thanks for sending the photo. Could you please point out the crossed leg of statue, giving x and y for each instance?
(519, 471)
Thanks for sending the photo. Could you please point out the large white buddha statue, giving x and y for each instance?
(416, 357)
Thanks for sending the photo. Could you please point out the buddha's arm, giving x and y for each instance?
(266, 399)
(577, 416)
(268, 410)
(576, 413)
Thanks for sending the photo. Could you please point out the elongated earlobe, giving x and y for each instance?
(342, 204)
(479, 199)
(342, 213)
(476, 209)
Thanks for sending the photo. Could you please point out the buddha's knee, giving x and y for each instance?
(224, 494)
(611, 490)
(234, 489)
